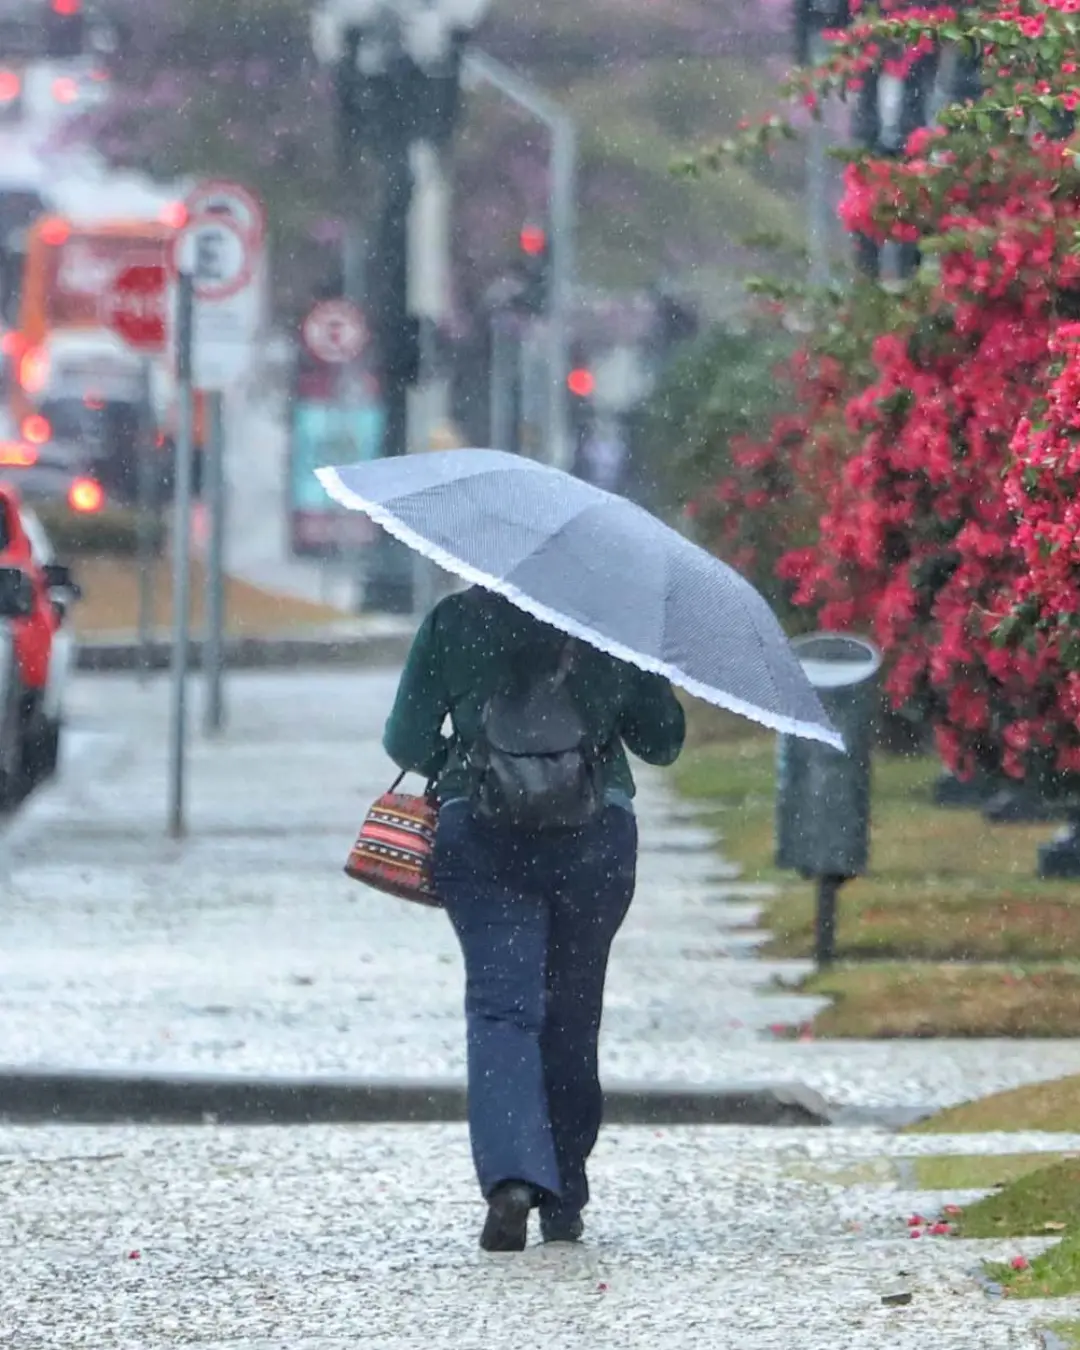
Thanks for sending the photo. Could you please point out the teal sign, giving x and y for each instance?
(323, 433)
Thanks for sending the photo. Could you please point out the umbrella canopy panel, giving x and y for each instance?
(596, 566)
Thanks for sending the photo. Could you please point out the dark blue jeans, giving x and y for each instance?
(535, 916)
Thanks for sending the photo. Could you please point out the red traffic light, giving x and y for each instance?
(67, 9)
(581, 382)
(533, 240)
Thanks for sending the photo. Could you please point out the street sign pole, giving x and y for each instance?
(214, 648)
(147, 519)
(181, 581)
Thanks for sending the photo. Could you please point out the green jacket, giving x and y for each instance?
(459, 657)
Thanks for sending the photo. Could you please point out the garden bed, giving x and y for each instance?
(950, 934)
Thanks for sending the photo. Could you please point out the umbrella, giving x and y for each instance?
(595, 566)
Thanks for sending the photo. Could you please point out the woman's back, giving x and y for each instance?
(535, 900)
(472, 643)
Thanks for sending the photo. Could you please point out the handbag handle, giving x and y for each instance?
(429, 789)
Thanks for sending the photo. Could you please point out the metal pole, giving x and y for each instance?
(147, 519)
(501, 386)
(527, 434)
(181, 580)
(214, 648)
(354, 260)
(429, 303)
(389, 583)
(348, 558)
(563, 175)
(359, 179)
(819, 224)
(825, 943)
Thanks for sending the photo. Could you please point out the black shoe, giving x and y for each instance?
(561, 1227)
(507, 1223)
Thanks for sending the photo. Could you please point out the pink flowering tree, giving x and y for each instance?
(934, 507)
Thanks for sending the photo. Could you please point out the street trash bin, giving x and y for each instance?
(822, 794)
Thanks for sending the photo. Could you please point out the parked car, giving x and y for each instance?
(48, 470)
(108, 435)
(36, 593)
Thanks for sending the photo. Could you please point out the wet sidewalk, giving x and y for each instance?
(245, 950)
(321, 1238)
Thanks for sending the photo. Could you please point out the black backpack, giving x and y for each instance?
(533, 765)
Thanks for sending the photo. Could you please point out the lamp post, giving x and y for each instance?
(397, 69)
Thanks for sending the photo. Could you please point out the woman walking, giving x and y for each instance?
(535, 862)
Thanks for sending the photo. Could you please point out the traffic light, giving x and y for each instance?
(580, 388)
(534, 270)
(65, 29)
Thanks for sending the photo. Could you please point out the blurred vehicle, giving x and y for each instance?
(36, 592)
(72, 370)
(49, 471)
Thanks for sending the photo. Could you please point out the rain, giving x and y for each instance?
(539, 674)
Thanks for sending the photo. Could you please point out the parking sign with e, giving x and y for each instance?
(218, 254)
(227, 268)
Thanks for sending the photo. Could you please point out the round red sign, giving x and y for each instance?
(134, 306)
(335, 332)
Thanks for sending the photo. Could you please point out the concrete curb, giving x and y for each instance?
(282, 653)
(37, 1095)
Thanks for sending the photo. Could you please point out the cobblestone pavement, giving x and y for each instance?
(311, 1238)
(246, 950)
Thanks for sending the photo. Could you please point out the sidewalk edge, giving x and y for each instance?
(102, 1097)
(281, 653)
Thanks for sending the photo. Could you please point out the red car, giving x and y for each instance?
(35, 592)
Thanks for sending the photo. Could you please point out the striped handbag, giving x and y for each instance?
(392, 852)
